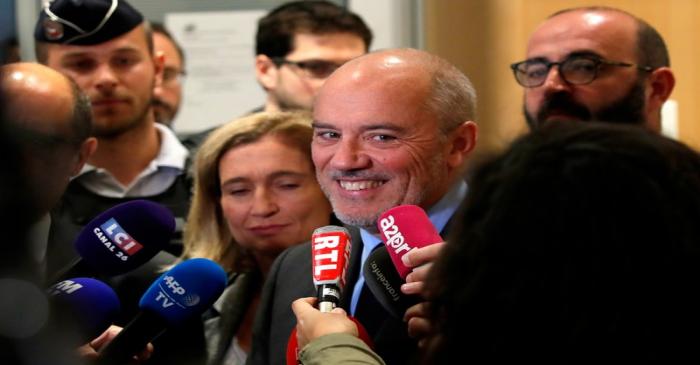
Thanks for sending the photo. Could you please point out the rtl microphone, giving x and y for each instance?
(186, 290)
(402, 229)
(330, 255)
(121, 239)
(86, 305)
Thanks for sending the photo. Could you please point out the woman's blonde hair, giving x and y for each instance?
(206, 233)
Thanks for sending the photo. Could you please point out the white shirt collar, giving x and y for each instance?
(172, 153)
(154, 179)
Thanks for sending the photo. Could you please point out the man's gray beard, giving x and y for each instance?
(360, 222)
(368, 224)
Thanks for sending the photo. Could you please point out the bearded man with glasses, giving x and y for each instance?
(595, 63)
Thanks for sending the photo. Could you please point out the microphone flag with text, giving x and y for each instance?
(120, 239)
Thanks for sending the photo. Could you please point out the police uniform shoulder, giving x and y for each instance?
(85, 22)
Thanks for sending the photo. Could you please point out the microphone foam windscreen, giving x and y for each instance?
(89, 304)
(187, 289)
(125, 236)
(404, 228)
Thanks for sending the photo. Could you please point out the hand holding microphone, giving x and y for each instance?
(420, 260)
(312, 323)
(405, 231)
(330, 254)
(184, 291)
(91, 350)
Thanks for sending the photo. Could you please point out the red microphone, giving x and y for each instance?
(330, 255)
(404, 228)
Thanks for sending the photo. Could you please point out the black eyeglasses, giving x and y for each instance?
(171, 74)
(576, 69)
(314, 69)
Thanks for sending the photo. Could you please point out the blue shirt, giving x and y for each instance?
(439, 215)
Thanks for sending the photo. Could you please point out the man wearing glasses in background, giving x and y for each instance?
(167, 96)
(299, 44)
(595, 63)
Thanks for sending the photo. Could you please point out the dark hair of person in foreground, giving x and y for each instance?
(580, 244)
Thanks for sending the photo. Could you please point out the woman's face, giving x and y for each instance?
(269, 196)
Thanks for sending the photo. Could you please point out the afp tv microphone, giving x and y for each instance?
(120, 239)
(402, 229)
(186, 290)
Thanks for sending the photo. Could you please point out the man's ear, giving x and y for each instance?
(659, 86)
(266, 72)
(462, 141)
(661, 83)
(159, 67)
(87, 148)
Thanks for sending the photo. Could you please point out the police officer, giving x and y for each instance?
(107, 48)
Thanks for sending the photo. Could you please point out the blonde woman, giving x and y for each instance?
(255, 194)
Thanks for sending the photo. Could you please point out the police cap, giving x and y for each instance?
(85, 22)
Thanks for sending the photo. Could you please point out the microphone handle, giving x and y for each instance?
(144, 328)
(77, 268)
(328, 296)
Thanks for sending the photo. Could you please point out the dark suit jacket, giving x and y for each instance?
(289, 279)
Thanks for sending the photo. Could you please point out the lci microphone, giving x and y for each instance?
(402, 229)
(121, 239)
(85, 305)
(186, 290)
(330, 255)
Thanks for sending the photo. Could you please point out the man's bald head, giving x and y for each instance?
(447, 92)
(51, 119)
(651, 48)
(42, 99)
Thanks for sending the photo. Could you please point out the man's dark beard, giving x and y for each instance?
(628, 110)
(162, 117)
(111, 132)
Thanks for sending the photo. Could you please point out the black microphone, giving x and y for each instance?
(186, 290)
(384, 282)
(402, 229)
(120, 239)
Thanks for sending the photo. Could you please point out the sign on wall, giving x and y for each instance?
(220, 84)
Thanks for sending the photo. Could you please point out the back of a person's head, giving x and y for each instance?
(19, 207)
(276, 30)
(580, 244)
